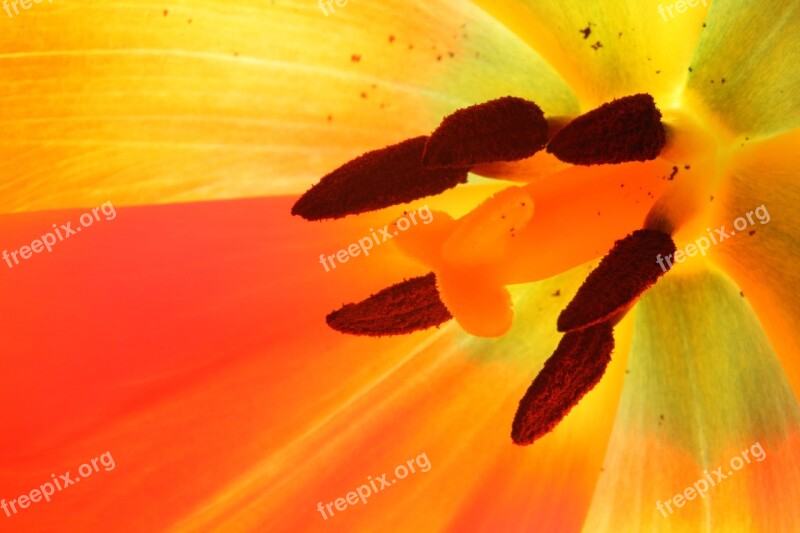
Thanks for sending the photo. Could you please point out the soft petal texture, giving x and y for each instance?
(451, 398)
(704, 384)
(136, 103)
(166, 336)
(766, 265)
(754, 47)
(651, 55)
(190, 342)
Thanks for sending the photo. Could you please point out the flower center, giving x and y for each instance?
(523, 233)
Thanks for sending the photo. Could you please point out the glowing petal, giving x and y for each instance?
(638, 51)
(704, 384)
(766, 264)
(451, 398)
(146, 108)
(168, 336)
(746, 69)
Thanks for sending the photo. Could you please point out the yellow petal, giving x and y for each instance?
(641, 50)
(766, 264)
(704, 385)
(138, 103)
(754, 48)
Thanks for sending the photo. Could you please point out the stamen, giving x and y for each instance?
(573, 370)
(506, 129)
(402, 308)
(627, 129)
(377, 179)
(632, 266)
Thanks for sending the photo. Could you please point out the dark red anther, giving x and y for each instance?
(506, 129)
(573, 370)
(627, 129)
(377, 179)
(632, 266)
(402, 308)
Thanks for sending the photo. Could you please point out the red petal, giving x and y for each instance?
(402, 308)
(573, 370)
(377, 179)
(506, 129)
(628, 129)
(630, 268)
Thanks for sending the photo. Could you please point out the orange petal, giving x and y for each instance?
(225, 100)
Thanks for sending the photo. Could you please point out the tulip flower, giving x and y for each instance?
(596, 331)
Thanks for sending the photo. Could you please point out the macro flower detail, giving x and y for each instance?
(624, 274)
(403, 308)
(576, 366)
(627, 129)
(507, 129)
(563, 151)
(377, 179)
